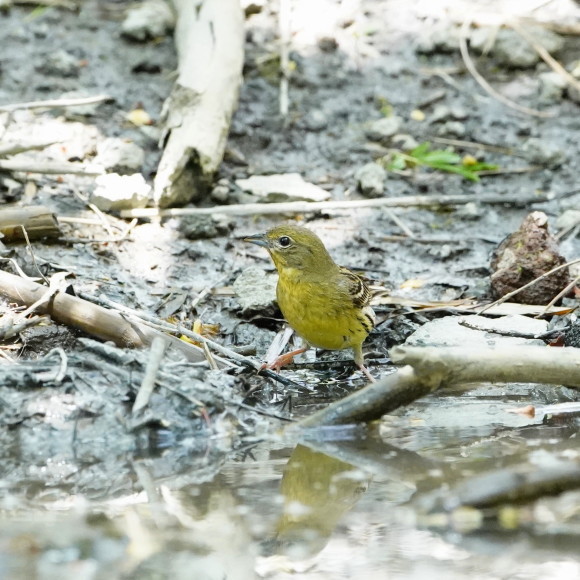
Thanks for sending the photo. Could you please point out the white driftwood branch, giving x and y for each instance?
(430, 368)
(210, 44)
(313, 206)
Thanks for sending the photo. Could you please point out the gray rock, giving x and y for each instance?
(470, 211)
(568, 219)
(442, 38)
(448, 332)
(571, 202)
(443, 113)
(115, 192)
(120, 156)
(149, 19)
(552, 87)
(572, 92)
(510, 49)
(370, 179)
(256, 290)
(61, 63)
(315, 120)
(452, 129)
(282, 187)
(539, 152)
(383, 129)
(404, 142)
(220, 193)
(200, 227)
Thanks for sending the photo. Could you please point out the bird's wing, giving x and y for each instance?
(356, 287)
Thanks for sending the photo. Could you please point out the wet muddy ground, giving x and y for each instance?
(200, 485)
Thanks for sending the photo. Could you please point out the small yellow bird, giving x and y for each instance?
(326, 304)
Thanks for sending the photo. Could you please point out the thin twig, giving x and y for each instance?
(315, 206)
(471, 145)
(15, 148)
(470, 65)
(399, 222)
(29, 246)
(156, 353)
(560, 294)
(55, 103)
(50, 167)
(535, 281)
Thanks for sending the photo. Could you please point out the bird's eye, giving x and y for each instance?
(284, 241)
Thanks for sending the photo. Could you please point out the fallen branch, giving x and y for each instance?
(430, 368)
(314, 206)
(38, 222)
(210, 44)
(7, 149)
(90, 318)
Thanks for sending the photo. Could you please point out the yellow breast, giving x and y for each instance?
(320, 313)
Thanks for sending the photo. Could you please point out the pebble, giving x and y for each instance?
(552, 87)
(405, 142)
(256, 290)
(120, 156)
(370, 179)
(315, 120)
(115, 192)
(200, 227)
(452, 129)
(539, 152)
(61, 63)
(383, 129)
(439, 39)
(282, 187)
(150, 19)
(511, 50)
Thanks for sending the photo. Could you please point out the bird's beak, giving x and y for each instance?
(258, 239)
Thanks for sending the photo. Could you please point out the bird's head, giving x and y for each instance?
(296, 247)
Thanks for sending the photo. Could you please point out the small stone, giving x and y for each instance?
(220, 193)
(120, 156)
(256, 290)
(470, 211)
(513, 51)
(327, 44)
(442, 39)
(405, 142)
(370, 179)
(383, 129)
(150, 19)
(539, 152)
(61, 63)
(315, 120)
(552, 87)
(452, 129)
(568, 219)
(115, 192)
(282, 187)
(202, 227)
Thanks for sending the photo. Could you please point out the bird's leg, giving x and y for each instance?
(285, 359)
(359, 360)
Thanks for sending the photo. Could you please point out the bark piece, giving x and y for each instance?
(196, 116)
(38, 221)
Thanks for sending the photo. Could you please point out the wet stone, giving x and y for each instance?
(120, 156)
(370, 179)
(198, 227)
(256, 290)
(149, 19)
(540, 152)
(60, 63)
(383, 129)
(115, 192)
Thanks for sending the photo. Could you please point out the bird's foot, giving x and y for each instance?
(283, 360)
(367, 373)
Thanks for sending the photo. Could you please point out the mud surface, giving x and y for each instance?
(195, 486)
